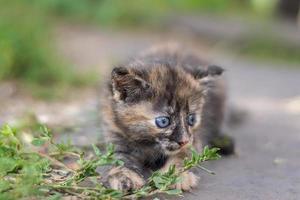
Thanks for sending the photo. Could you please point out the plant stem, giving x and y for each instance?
(207, 170)
(55, 162)
(73, 187)
(65, 153)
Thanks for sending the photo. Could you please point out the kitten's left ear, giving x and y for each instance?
(209, 71)
(128, 86)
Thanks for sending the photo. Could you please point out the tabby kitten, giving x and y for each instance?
(154, 108)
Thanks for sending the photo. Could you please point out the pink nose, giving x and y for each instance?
(182, 143)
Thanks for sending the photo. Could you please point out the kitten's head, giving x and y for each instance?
(160, 105)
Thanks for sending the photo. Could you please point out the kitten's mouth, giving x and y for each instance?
(172, 147)
(177, 146)
(183, 143)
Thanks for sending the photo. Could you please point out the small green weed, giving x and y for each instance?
(38, 171)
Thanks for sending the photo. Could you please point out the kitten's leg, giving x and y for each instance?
(188, 179)
(124, 179)
(212, 119)
(127, 177)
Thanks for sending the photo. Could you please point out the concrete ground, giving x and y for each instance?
(267, 144)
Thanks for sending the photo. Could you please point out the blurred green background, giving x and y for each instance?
(53, 54)
(27, 53)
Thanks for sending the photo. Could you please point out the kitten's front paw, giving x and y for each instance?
(124, 179)
(188, 182)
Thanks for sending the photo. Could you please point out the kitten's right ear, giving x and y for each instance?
(128, 86)
(119, 71)
(207, 76)
(211, 70)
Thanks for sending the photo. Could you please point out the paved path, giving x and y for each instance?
(233, 29)
(267, 164)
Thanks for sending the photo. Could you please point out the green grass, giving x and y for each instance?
(27, 53)
(149, 13)
(130, 12)
(269, 48)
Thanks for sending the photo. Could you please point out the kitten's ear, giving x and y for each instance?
(210, 71)
(128, 86)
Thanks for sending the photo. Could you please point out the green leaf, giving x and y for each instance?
(64, 147)
(196, 158)
(38, 142)
(142, 191)
(6, 151)
(56, 196)
(8, 138)
(110, 149)
(7, 131)
(158, 182)
(96, 150)
(46, 132)
(7, 165)
(119, 162)
(174, 192)
(4, 185)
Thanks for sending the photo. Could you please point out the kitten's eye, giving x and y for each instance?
(191, 119)
(162, 122)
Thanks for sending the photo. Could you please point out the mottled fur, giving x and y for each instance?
(161, 82)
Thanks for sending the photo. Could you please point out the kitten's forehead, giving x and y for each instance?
(174, 88)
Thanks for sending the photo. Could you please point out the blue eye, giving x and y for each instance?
(162, 122)
(191, 119)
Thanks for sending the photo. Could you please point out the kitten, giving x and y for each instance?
(154, 108)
